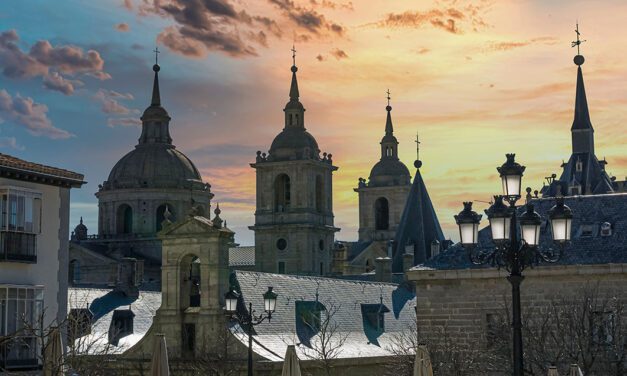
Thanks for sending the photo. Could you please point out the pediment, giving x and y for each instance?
(189, 226)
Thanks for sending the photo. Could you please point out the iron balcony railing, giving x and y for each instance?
(18, 247)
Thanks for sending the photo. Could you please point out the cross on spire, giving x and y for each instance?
(293, 55)
(388, 97)
(157, 52)
(578, 42)
(417, 147)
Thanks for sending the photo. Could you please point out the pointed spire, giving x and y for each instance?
(389, 129)
(582, 115)
(156, 97)
(294, 94)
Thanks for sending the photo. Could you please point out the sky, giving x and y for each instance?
(475, 79)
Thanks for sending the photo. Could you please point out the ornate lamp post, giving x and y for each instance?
(249, 319)
(514, 250)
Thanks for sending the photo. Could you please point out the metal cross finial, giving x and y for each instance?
(293, 55)
(578, 42)
(417, 147)
(388, 97)
(157, 52)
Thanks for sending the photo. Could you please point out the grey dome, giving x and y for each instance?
(389, 171)
(153, 165)
(294, 143)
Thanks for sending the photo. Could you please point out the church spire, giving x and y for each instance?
(389, 144)
(294, 110)
(389, 129)
(156, 97)
(582, 131)
(155, 120)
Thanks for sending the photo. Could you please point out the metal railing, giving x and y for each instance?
(18, 247)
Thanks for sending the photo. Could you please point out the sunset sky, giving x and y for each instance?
(475, 79)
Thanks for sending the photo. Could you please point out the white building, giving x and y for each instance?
(34, 227)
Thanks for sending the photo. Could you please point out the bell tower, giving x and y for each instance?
(294, 231)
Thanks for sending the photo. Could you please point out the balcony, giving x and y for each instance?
(19, 353)
(18, 247)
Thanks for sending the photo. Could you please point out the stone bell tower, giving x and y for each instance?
(195, 277)
(294, 231)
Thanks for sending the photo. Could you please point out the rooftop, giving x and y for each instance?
(15, 168)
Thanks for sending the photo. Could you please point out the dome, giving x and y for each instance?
(294, 143)
(153, 165)
(389, 171)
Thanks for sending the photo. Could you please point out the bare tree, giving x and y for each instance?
(587, 328)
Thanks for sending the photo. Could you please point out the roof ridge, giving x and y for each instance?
(313, 278)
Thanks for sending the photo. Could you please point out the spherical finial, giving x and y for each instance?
(388, 108)
(418, 163)
(294, 68)
(217, 211)
(579, 60)
(156, 68)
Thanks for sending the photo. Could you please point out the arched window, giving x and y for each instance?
(190, 285)
(124, 219)
(74, 272)
(319, 194)
(282, 193)
(161, 216)
(381, 214)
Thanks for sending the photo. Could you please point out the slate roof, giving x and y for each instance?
(419, 225)
(16, 168)
(587, 246)
(242, 256)
(347, 297)
(102, 303)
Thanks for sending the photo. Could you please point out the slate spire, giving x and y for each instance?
(389, 143)
(155, 119)
(156, 97)
(582, 115)
(294, 110)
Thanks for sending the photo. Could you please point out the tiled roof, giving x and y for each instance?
(272, 338)
(242, 256)
(13, 165)
(589, 213)
(102, 303)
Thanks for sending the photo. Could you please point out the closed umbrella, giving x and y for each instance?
(291, 364)
(552, 371)
(53, 354)
(159, 364)
(575, 371)
(422, 364)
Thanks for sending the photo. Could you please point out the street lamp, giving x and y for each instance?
(514, 250)
(249, 319)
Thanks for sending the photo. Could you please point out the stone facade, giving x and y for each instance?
(462, 300)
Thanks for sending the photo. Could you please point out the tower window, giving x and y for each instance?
(281, 244)
(382, 214)
(189, 337)
(321, 244)
(125, 219)
(74, 272)
(319, 194)
(281, 267)
(282, 193)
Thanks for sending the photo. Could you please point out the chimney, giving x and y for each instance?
(408, 261)
(383, 269)
(130, 273)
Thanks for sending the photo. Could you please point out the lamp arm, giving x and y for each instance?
(551, 255)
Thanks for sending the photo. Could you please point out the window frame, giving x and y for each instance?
(21, 213)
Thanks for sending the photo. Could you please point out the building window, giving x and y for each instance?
(319, 194)
(281, 267)
(79, 323)
(194, 278)
(281, 244)
(282, 193)
(382, 214)
(74, 272)
(322, 268)
(21, 311)
(374, 316)
(189, 337)
(20, 223)
(124, 219)
(587, 231)
(121, 325)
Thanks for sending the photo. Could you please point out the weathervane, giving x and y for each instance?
(578, 42)
(157, 52)
(293, 55)
(417, 147)
(388, 97)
